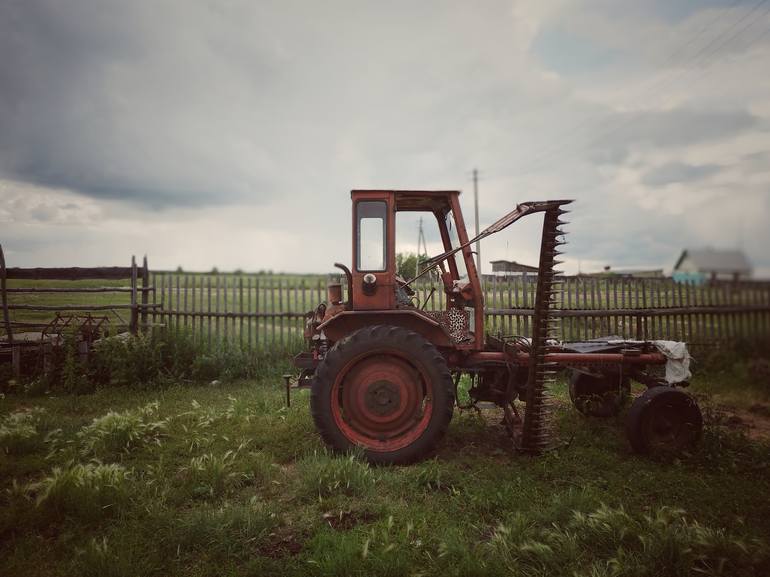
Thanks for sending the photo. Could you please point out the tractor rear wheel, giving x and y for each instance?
(663, 420)
(386, 390)
(596, 396)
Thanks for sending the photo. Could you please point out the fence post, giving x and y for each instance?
(145, 292)
(133, 325)
(3, 289)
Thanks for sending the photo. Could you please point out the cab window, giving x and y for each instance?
(371, 234)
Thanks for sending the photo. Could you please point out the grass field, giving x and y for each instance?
(224, 480)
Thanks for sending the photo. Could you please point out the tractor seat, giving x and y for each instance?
(455, 321)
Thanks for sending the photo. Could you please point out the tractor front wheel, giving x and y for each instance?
(386, 390)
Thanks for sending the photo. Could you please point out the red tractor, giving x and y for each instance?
(384, 372)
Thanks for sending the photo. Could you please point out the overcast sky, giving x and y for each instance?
(230, 133)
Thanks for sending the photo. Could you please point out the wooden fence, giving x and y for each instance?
(254, 310)
(251, 310)
(31, 298)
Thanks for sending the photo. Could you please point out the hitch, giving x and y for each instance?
(291, 382)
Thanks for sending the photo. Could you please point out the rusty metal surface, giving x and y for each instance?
(382, 401)
(344, 323)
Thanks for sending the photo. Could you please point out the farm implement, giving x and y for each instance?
(384, 373)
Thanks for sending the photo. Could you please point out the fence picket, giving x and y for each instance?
(280, 307)
(200, 308)
(616, 296)
(162, 286)
(668, 315)
(240, 310)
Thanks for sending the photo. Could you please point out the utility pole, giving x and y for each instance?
(476, 206)
(422, 246)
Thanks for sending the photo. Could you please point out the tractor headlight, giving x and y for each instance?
(370, 283)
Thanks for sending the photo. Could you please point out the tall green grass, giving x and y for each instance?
(22, 431)
(150, 361)
(122, 432)
(84, 490)
(322, 475)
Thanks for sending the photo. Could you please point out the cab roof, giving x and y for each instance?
(414, 200)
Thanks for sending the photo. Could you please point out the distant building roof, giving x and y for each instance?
(511, 266)
(631, 273)
(714, 260)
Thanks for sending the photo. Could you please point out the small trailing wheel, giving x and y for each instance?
(598, 396)
(664, 420)
(386, 390)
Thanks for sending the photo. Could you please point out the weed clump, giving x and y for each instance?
(86, 491)
(211, 475)
(20, 432)
(324, 475)
(100, 559)
(115, 433)
(434, 476)
(610, 541)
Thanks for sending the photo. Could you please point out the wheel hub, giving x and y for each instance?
(382, 397)
(383, 400)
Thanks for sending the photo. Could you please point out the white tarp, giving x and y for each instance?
(677, 359)
(678, 363)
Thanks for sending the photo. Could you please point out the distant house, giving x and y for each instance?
(511, 268)
(508, 269)
(627, 273)
(707, 264)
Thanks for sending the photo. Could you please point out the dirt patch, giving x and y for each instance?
(477, 434)
(754, 422)
(280, 545)
(346, 520)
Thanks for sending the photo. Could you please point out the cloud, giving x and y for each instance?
(229, 134)
(674, 172)
(626, 132)
(25, 204)
(136, 101)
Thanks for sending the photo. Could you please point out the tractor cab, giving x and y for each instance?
(376, 284)
(375, 291)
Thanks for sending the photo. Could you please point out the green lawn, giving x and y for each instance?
(224, 480)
